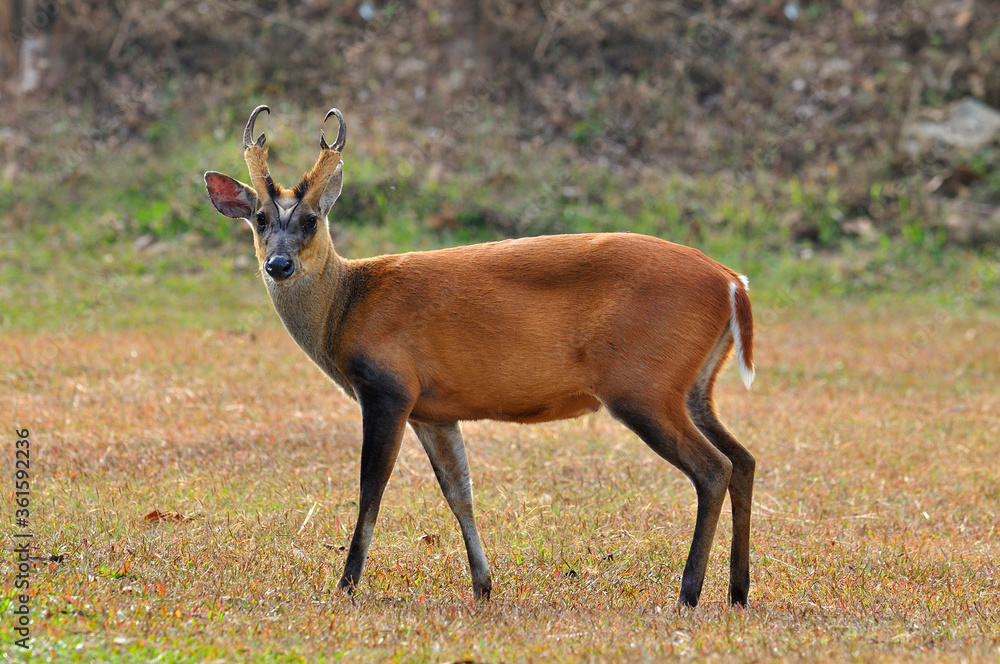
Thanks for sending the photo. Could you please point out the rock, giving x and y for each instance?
(798, 228)
(953, 181)
(860, 227)
(972, 224)
(144, 242)
(966, 125)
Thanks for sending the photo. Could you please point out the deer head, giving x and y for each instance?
(285, 222)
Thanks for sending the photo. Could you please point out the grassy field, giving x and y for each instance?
(874, 421)
(140, 350)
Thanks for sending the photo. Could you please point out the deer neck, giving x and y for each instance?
(310, 304)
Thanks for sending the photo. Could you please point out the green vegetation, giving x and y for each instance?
(130, 239)
(873, 420)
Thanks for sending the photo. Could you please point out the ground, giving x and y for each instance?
(875, 512)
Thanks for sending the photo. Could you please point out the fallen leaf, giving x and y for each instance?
(429, 540)
(156, 516)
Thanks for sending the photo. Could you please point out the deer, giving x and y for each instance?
(521, 330)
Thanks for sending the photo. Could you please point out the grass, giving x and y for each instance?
(875, 526)
(159, 379)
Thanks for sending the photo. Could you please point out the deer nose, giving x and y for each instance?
(279, 267)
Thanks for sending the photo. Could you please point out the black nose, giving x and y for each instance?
(279, 267)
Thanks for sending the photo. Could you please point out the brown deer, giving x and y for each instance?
(526, 330)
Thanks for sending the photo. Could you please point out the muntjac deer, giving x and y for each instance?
(527, 330)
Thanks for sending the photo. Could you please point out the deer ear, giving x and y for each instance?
(231, 197)
(327, 188)
(331, 188)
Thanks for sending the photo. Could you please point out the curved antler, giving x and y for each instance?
(338, 145)
(248, 140)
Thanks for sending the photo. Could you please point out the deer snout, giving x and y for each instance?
(280, 267)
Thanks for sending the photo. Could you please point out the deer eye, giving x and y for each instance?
(261, 221)
(309, 222)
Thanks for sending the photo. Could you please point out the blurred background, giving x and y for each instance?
(823, 148)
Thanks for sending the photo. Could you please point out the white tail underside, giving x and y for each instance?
(746, 373)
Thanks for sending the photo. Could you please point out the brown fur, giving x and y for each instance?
(537, 329)
(317, 180)
(256, 159)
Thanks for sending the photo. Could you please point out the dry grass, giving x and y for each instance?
(875, 525)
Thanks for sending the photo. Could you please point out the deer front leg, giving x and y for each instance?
(384, 407)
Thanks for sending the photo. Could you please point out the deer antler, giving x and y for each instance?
(338, 145)
(248, 139)
(255, 154)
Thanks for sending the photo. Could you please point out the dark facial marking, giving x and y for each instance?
(272, 191)
(301, 188)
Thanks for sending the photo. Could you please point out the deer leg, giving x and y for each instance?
(741, 496)
(677, 440)
(702, 411)
(384, 408)
(446, 450)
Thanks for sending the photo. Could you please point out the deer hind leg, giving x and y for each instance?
(671, 434)
(702, 410)
(446, 450)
